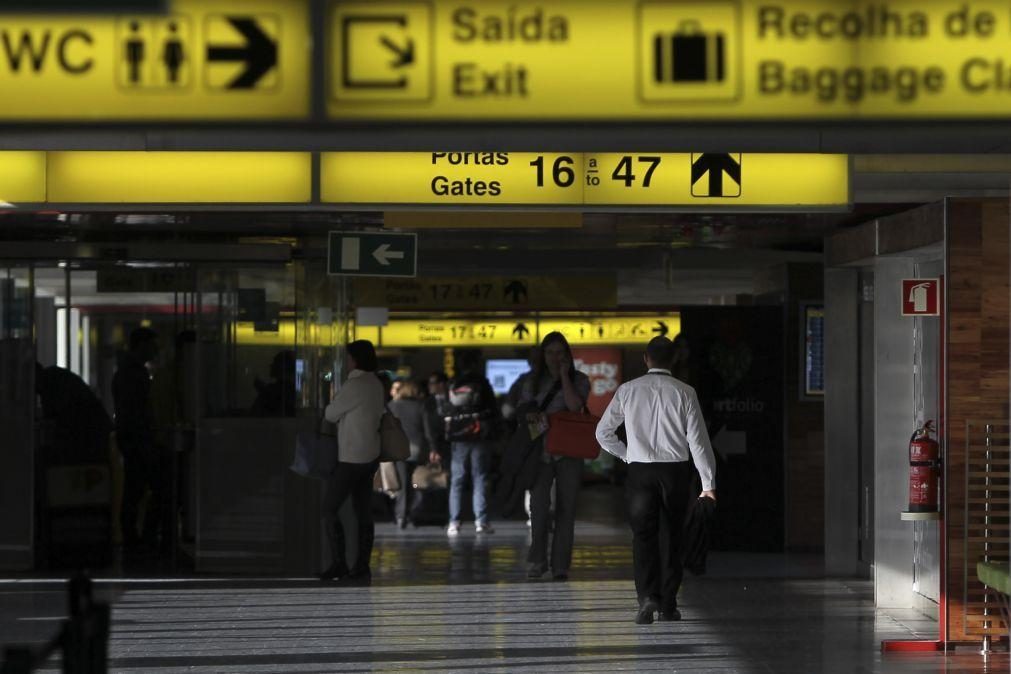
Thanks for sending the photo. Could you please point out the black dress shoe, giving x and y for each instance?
(646, 612)
(560, 576)
(335, 571)
(670, 615)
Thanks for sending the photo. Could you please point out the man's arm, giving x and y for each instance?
(702, 450)
(613, 417)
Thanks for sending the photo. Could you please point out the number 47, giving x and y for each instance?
(623, 171)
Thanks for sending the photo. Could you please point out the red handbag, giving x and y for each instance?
(572, 434)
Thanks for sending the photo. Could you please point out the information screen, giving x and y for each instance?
(502, 373)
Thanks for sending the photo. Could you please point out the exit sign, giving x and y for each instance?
(372, 254)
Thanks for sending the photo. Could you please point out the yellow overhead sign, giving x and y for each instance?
(378, 179)
(593, 330)
(451, 178)
(709, 179)
(22, 177)
(697, 60)
(490, 293)
(205, 60)
(463, 332)
(179, 177)
(521, 331)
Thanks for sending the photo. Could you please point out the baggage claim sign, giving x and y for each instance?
(698, 60)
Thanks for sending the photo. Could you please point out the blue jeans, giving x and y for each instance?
(477, 455)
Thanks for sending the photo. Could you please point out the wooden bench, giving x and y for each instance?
(995, 576)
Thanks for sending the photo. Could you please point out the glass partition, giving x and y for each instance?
(17, 416)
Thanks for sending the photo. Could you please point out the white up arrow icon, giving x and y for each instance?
(383, 254)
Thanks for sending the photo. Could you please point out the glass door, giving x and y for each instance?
(17, 417)
(269, 343)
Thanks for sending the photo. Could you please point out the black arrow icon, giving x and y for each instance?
(715, 164)
(516, 290)
(520, 331)
(661, 329)
(259, 54)
(405, 56)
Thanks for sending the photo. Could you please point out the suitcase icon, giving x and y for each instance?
(689, 55)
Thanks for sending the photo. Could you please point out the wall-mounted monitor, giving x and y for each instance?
(503, 372)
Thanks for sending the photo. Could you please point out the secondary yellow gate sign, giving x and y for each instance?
(519, 331)
(699, 180)
(698, 60)
(489, 293)
(206, 59)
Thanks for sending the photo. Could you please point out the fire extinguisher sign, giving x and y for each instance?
(921, 297)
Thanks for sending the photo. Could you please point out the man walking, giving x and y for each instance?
(663, 424)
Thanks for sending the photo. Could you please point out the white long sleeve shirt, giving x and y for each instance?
(357, 409)
(663, 424)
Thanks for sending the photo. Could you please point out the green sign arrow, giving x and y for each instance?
(372, 254)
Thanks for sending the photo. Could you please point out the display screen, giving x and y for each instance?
(503, 372)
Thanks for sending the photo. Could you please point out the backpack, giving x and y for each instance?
(472, 416)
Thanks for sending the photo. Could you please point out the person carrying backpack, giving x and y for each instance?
(470, 429)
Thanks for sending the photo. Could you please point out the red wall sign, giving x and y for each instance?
(921, 297)
(603, 367)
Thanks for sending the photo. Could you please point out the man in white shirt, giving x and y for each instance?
(664, 427)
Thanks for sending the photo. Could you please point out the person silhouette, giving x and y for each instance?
(135, 53)
(173, 54)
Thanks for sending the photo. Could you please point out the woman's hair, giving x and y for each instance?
(364, 355)
(408, 389)
(555, 338)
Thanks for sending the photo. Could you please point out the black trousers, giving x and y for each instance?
(354, 480)
(144, 469)
(657, 498)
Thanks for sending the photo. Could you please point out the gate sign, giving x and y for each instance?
(696, 180)
(203, 60)
(697, 60)
(921, 297)
(372, 254)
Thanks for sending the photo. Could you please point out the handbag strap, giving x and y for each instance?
(552, 392)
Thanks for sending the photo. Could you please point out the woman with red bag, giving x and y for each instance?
(553, 386)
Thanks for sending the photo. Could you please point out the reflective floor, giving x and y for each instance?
(465, 606)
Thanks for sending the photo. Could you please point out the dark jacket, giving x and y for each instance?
(479, 413)
(81, 426)
(697, 534)
(131, 392)
(411, 413)
(520, 465)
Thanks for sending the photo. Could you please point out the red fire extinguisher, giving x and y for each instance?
(924, 469)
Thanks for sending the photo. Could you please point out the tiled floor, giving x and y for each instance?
(464, 605)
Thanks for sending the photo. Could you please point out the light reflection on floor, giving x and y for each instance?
(464, 605)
